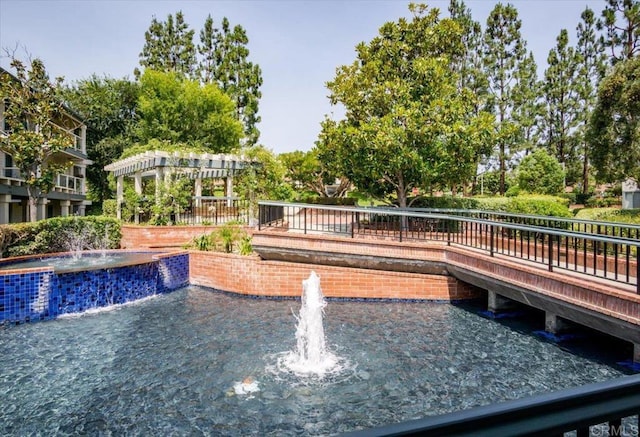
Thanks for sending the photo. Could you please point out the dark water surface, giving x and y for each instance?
(167, 366)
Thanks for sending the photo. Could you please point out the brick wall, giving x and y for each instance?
(251, 275)
(142, 237)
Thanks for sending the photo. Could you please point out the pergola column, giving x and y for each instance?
(198, 191)
(137, 186)
(119, 196)
(228, 190)
(159, 181)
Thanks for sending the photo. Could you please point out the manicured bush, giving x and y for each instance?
(541, 173)
(228, 238)
(444, 202)
(539, 205)
(61, 234)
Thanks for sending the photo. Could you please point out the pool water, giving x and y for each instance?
(168, 365)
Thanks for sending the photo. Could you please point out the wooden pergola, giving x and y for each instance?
(163, 165)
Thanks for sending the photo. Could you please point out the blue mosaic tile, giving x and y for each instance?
(33, 296)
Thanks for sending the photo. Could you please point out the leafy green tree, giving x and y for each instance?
(614, 130)
(109, 107)
(540, 173)
(621, 19)
(407, 124)
(33, 112)
(562, 99)
(177, 109)
(306, 171)
(263, 179)
(591, 68)
(169, 46)
(504, 54)
(224, 61)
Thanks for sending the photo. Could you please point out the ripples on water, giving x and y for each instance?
(169, 365)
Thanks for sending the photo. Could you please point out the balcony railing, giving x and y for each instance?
(70, 184)
(65, 183)
(597, 255)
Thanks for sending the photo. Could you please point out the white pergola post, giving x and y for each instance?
(137, 186)
(119, 196)
(228, 191)
(198, 191)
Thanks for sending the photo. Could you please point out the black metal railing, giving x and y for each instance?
(601, 256)
(214, 211)
(622, 230)
(606, 408)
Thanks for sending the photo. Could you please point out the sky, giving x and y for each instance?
(298, 44)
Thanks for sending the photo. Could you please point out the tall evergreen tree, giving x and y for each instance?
(225, 62)
(528, 107)
(562, 100)
(468, 64)
(504, 53)
(169, 46)
(591, 68)
(621, 19)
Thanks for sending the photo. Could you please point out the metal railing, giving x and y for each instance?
(606, 408)
(601, 256)
(623, 230)
(206, 210)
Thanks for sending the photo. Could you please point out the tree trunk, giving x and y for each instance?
(33, 209)
(585, 175)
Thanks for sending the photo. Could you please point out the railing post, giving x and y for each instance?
(491, 239)
(400, 223)
(550, 252)
(305, 220)
(353, 222)
(448, 222)
(637, 272)
(259, 216)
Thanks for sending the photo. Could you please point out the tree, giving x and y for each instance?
(407, 123)
(504, 53)
(614, 130)
(306, 171)
(561, 100)
(591, 67)
(528, 109)
(264, 178)
(540, 173)
(180, 110)
(109, 107)
(225, 62)
(33, 108)
(169, 46)
(621, 19)
(469, 65)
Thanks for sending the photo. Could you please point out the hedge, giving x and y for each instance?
(60, 234)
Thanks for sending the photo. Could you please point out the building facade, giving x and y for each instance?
(68, 197)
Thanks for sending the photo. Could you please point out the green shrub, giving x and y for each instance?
(228, 238)
(539, 205)
(110, 208)
(444, 202)
(62, 234)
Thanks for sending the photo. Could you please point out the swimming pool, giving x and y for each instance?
(168, 365)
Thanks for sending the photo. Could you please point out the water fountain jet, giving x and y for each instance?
(311, 356)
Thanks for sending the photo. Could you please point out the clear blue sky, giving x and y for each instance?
(298, 44)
